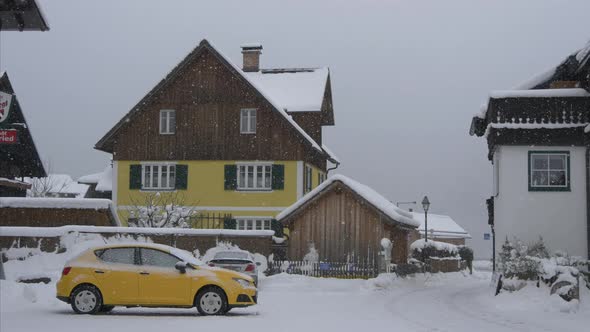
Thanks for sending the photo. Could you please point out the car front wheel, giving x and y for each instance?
(86, 299)
(211, 301)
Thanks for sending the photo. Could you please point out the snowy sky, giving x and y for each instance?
(407, 76)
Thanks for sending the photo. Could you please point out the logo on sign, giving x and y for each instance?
(8, 136)
(5, 100)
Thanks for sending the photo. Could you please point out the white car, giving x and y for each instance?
(236, 260)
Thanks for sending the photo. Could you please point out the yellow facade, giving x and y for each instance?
(205, 190)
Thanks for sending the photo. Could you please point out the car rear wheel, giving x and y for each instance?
(86, 299)
(211, 301)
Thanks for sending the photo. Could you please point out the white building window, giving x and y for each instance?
(307, 185)
(167, 122)
(549, 171)
(248, 121)
(158, 177)
(255, 177)
(253, 223)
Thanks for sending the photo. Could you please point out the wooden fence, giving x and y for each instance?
(324, 269)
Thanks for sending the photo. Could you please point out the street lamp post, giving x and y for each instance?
(425, 206)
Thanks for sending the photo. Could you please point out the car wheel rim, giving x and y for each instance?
(211, 303)
(85, 301)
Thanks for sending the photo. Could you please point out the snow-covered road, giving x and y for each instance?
(451, 302)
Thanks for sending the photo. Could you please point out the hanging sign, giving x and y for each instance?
(8, 136)
(5, 100)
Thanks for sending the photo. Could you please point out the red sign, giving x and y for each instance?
(8, 136)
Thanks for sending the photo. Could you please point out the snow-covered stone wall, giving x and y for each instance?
(559, 217)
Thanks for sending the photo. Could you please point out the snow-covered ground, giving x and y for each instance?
(444, 302)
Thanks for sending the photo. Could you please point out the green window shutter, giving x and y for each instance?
(181, 177)
(231, 177)
(229, 223)
(277, 226)
(135, 177)
(278, 177)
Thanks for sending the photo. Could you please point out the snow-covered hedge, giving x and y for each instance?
(421, 250)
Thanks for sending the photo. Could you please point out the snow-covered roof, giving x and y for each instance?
(103, 180)
(299, 90)
(441, 226)
(61, 183)
(56, 203)
(540, 93)
(377, 200)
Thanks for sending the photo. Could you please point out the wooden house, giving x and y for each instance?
(538, 138)
(18, 154)
(241, 141)
(345, 221)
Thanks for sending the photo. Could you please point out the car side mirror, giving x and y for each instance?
(181, 266)
(258, 263)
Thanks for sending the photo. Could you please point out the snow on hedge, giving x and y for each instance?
(54, 203)
(373, 197)
(59, 231)
(421, 244)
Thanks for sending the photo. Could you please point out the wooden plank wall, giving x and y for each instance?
(208, 98)
(343, 228)
(49, 217)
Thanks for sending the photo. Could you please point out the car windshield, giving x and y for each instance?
(232, 255)
(185, 256)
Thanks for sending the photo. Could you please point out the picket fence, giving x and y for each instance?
(324, 269)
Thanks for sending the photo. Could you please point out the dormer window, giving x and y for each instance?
(167, 122)
(248, 121)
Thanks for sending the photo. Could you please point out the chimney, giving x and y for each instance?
(251, 52)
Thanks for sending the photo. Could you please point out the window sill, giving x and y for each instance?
(550, 189)
(167, 134)
(157, 190)
(254, 190)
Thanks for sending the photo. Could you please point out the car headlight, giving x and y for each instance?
(243, 282)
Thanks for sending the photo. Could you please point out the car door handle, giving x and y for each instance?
(98, 271)
(143, 273)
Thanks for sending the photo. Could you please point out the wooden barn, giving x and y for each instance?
(345, 221)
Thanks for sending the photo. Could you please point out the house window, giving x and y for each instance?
(167, 122)
(248, 121)
(321, 177)
(254, 177)
(307, 179)
(253, 224)
(158, 177)
(549, 171)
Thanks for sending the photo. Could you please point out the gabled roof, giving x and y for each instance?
(23, 155)
(105, 143)
(441, 226)
(368, 194)
(22, 15)
(540, 89)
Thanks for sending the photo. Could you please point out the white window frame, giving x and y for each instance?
(565, 169)
(170, 185)
(307, 179)
(250, 115)
(253, 223)
(244, 186)
(168, 129)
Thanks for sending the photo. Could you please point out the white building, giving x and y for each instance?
(441, 228)
(538, 137)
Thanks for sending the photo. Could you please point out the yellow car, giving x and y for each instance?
(150, 275)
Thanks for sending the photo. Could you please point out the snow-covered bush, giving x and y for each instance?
(466, 254)
(516, 261)
(160, 211)
(421, 250)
